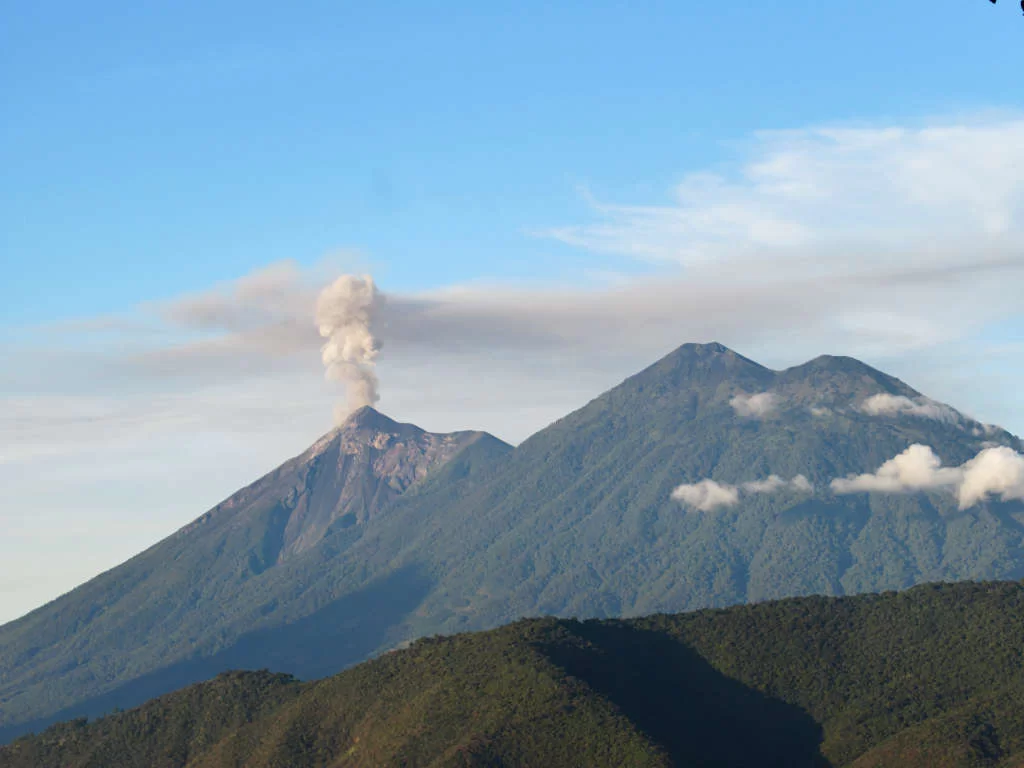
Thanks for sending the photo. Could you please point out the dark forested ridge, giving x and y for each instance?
(382, 533)
(928, 677)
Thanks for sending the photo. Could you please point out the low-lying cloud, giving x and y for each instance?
(774, 483)
(884, 404)
(916, 469)
(756, 406)
(707, 495)
(996, 471)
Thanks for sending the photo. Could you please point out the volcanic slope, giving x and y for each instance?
(201, 601)
(579, 520)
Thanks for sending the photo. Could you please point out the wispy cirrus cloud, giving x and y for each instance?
(798, 190)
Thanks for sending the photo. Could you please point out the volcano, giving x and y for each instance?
(382, 532)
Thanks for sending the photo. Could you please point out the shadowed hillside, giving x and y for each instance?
(928, 677)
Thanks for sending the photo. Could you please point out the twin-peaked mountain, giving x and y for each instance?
(381, 532)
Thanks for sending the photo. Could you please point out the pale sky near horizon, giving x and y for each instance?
(555, 195)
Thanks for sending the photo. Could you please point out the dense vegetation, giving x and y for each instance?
(576, 521)
(927, 677)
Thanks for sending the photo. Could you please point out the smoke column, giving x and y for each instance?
(344, 314)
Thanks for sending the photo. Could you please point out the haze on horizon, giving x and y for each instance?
(548, 200)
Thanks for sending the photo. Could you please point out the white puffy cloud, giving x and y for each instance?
(802, 484)
(884, 404)
(996, 471)
(756, 406)
(916, 469)
(707, 495)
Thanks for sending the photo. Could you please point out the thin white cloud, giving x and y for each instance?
(823, 185)
(707, 495)
(802, 484)
(996, 471)
(757, 406)
(770, 484)
(884, 404)
(774, 484)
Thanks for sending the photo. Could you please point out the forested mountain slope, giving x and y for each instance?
(924, 678)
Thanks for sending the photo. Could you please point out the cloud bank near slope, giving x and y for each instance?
(884, 404)
(757, 406)
(996, 471)
(707, 495)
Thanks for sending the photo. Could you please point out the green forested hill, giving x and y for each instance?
(382, 533)
(923, 678)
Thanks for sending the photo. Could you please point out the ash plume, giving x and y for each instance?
(345, 311)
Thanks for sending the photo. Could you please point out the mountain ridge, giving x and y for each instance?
(577, 520)
(929, 677)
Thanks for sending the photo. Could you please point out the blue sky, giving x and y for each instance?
(151, 149)
(550, 196)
